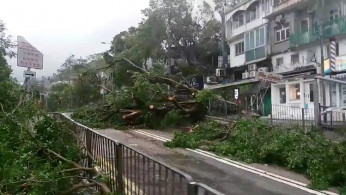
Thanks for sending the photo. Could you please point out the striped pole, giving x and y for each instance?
(332, 51)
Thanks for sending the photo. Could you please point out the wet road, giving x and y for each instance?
(220, 176)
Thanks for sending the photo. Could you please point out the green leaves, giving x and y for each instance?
(323, 161)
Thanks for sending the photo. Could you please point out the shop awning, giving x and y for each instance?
(219, 86)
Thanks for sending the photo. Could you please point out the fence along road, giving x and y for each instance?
(132, 172)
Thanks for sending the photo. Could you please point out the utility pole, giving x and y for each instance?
(223, 35)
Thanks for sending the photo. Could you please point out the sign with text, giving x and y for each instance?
(236, 94)
(28, 55)
(29, 74)
(269, 76)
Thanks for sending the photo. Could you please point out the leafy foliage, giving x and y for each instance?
(254, 141)
(77, 84)
(90, 116)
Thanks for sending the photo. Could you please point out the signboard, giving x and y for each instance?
(269, 76)
(197, 82)
(28, 55)
(340, 65)
(29, 74)
(236, 94)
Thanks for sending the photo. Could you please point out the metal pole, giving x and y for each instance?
(192, 188)
(119, 167)
(223, 36)
(322, 68)
(303, 118)
(317, 104)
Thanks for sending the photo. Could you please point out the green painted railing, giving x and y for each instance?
(329, 29)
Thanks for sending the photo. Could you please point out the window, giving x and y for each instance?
(334, 15)
(239, 48)
(294, 92)
(252, 12)
(238, 20)
(282, 92)
(255, 39)
(295, 59)
(304, 25)
(282, 32)
(279, 62)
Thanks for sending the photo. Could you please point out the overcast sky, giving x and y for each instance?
(59, 28)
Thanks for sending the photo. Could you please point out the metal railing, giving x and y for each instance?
(289, 115)
(332, 118)
(329, 29)
(223, 108)
(130, 171)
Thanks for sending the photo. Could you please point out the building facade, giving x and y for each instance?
(296, 30)
(288, 38)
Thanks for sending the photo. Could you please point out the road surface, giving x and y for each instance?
(225, 176)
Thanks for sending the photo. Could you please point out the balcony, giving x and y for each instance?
(283, 5)
(329, 29)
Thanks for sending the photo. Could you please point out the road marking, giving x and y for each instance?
(153, 136)
(272, 176)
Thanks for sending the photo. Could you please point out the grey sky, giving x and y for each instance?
(59, 28)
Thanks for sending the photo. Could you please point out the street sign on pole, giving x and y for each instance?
(29, 74)
(27, 55)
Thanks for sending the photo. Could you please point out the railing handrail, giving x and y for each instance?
(188, 178)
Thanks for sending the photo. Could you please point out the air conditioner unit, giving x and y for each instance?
(220, 72)
(252, 74)
(245, 75)
(264, 69)
(252, 67)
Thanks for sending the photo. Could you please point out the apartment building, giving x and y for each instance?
(296, 30)
(248, 39)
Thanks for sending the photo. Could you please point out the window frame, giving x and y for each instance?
(254, 44)
(295, 92)
(283, 96)
(239, 48)
(277, 60)
(282, 31)
(308, 27)
(236, 20)
(253, 9)
(294, 55)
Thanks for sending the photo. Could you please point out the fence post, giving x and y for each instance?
(344, 118)
(303, 118)
(271, 117)
(209, 108)
(192, 188)
(119, 168)
(225, 109)
(88, 146)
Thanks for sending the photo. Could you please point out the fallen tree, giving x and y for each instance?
(151, 96)
(39, 155)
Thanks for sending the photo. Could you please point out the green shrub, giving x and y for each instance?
(323, 161)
